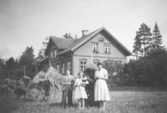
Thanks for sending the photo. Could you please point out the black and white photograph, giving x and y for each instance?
(83, 56)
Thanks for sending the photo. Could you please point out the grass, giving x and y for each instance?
(123, 100)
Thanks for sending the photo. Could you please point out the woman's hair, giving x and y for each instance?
(80, 72)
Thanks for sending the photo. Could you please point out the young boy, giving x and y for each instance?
(67, 89)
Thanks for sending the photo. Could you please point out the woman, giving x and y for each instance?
(101, 93)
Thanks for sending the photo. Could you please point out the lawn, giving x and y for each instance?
(123, 100)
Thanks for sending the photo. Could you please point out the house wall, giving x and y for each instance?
(77, 58)
(87, 49)
(86, 52)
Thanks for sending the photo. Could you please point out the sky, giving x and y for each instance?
(25, 23)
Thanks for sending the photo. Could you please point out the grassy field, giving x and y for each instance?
(123, 100)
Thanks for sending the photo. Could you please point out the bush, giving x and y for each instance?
(150, 70)
(116, 76)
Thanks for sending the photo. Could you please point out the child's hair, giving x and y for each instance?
(80, 72)
(68, 69)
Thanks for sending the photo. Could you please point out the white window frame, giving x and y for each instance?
(107, 48)
(51, 55)
(82, 64)
(55, 53)
(63, 68)
(95, 47)
(58, 68)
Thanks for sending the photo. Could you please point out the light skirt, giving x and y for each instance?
(80, 92)
(101, 92)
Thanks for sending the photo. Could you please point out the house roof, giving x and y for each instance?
(80, 41)
(61, 43)
(87, 37)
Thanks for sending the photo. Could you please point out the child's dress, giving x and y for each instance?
(79, 91)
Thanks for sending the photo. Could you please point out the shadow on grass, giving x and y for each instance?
(8, 105)
(59, 104)
(139, 89)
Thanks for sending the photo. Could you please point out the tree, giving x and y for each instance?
(41, 53)
(137, 45)
(10, 66)
(68, 36)
(150, 70)
(157, 38)
(142, 40)
(2, 69)
(27, 62)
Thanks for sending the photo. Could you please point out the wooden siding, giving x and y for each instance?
(77, 58)
(87, 49)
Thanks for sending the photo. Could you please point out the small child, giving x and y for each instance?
(79, 92)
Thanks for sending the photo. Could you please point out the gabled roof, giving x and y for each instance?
(60, 43)
(80, 41)
(84, 39)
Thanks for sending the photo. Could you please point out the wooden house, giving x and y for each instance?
(93, 47)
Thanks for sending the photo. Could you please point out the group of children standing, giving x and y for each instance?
(78, 85)
(101, 92)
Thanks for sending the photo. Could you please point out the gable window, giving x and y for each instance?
(82, 64)
(63, 68)
(95, 47)
(95, 61)
(107, 48)
(58, 68)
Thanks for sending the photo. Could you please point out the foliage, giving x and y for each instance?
(150, 70)
(157, 38)
(2, 69)
(68, 36)
(142, 40)
(41, 53)
(145, 40)
(27, 62)
(115, 70)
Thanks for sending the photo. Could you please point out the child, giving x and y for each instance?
(80, 92)
(67, 89)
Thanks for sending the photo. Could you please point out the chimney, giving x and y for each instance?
(84, 32)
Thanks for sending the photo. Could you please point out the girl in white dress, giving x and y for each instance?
(101, 92)
(79, 92)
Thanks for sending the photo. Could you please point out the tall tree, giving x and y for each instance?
(27, 62)
(10, 66)
(142, 40)
(2, 69)
(137, 45)
(157, 38)
(41, 53)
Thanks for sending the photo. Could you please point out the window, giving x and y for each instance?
(95, 47)
(83, 64)
(58, 68)
(95, 61)
(51, 54)
(69, 65)
(55, 53)
(107, 48)
(63, 68)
